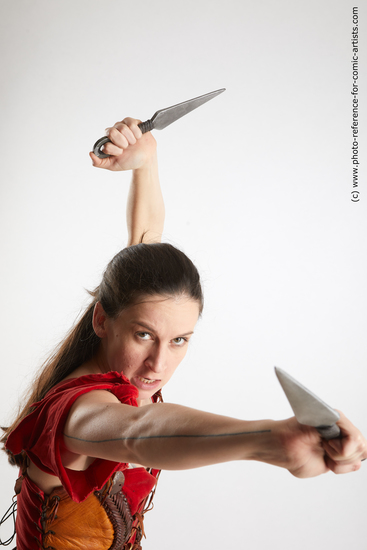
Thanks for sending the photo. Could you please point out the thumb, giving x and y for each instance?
(97, 162)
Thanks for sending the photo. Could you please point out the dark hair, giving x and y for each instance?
(147, 269)
(136, 271)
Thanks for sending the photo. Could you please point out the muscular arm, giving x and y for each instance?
(173, 437)
(160, 435)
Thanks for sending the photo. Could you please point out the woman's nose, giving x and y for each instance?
(157, 359)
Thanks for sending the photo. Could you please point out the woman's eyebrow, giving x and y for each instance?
(135, 322)
(152, 329)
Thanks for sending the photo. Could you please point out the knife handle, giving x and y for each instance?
(329, 432)
(146, 126)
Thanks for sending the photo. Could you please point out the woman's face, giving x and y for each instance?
(148, 340)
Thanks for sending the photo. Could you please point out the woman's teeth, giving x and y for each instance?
(146, 380)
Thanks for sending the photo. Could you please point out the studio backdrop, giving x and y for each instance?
(265, 189)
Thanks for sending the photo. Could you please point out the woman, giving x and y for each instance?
(94, 435)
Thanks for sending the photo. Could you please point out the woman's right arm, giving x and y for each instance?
(173, 437)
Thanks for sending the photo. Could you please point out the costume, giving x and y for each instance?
(98, 508)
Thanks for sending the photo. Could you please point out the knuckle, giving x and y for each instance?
(111, 149)
(117, 136)
(107, 148)
(119, 127)
(132, 124)
(113, 132)
(362, 443)
(129, 121)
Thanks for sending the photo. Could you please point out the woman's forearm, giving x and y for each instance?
(176, 437)
(167, 436)
(173, 437)
(145, 207)
(129, 149)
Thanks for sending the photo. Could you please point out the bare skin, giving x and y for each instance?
(144, 215)
(146, 344)
(174, 437)
(135, 151)
(168, 436)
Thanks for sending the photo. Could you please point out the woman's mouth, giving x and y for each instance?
(146, 384)
(147, 380)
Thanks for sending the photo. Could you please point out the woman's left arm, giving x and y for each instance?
(132, 150)
(145, 211)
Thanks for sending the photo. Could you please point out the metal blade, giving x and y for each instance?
(161, 119)
(164, 117)
(307, 407)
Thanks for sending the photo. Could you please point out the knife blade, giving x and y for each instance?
(163, 118)
(308, 408)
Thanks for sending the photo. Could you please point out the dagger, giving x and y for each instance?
(162, 118)
(308, 408)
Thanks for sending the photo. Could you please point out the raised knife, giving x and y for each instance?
(308, 408)
(163, 118)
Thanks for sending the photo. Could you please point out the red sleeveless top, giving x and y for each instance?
(40, 435)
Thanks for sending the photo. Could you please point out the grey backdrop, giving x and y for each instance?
(257, 185)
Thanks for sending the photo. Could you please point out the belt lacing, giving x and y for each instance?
(11, 511)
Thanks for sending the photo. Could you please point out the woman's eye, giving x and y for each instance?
(179, 341)
(143, 335)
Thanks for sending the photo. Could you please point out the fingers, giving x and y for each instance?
(100, 163)
(132, 123)
(344, 454)
(121, 135)
(342, 467)
(124, 133)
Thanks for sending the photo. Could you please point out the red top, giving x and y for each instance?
(40, 435)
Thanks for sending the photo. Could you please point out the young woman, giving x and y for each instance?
(94, 434)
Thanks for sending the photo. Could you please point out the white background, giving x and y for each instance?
(257, 185)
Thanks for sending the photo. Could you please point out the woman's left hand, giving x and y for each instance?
(307, 455)
(344, 454)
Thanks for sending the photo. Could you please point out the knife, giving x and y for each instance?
(308, 408)
(162, 118)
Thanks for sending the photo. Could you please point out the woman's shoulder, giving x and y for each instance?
(47, 419)
(85, 369)
(82, 377)
(110, 386)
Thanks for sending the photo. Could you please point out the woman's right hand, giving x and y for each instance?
(129, 148)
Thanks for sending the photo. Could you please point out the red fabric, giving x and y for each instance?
(40, 433)
(28, 523)
(137, 486)
(40, 436)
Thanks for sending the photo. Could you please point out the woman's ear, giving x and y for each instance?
(99, 320)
